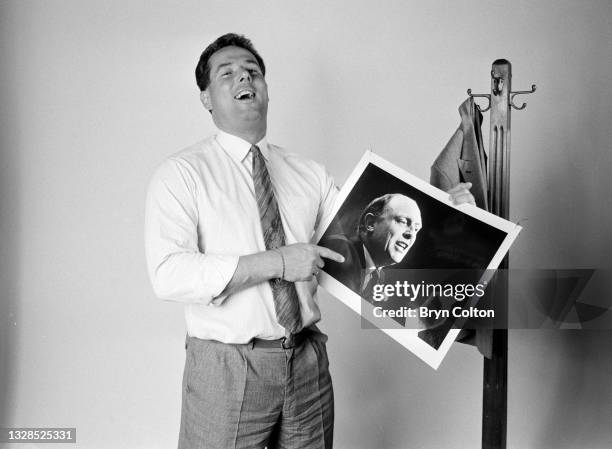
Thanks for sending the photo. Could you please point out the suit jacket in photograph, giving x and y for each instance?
(351, 271)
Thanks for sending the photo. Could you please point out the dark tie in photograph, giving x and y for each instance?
(376, 277)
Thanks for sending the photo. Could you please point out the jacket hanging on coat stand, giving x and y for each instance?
(463, 159)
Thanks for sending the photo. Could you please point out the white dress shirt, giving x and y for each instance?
(201, 215)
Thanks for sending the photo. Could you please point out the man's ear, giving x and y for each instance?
(205, 99)
(370, 220)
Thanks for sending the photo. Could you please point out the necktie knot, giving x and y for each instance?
(257, 160)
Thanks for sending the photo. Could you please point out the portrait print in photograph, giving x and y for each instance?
(415, 264)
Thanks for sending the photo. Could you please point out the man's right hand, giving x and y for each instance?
(304, 260)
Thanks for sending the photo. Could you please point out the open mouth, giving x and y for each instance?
(402, 245)
(245, 94)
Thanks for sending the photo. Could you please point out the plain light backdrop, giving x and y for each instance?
(94, 95)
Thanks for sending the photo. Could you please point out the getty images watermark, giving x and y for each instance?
(411, 293)
(493, 299)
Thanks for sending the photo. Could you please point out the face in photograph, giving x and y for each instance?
(391, 234)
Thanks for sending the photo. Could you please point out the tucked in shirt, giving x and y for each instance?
(201, 216)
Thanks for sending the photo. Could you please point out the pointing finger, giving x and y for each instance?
(329, 254)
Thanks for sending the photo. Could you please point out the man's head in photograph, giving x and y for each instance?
(388, 227)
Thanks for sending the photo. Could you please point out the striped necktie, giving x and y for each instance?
(285, 296)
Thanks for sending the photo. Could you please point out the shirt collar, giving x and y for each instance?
(239, 148)
(370, 268)
(369, 263)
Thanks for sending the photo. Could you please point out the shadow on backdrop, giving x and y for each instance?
(9, 219)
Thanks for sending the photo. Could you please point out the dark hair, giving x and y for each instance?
(376, 208)
(202, 71)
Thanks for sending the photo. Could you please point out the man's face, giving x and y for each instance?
(237, 94)
(393, 233)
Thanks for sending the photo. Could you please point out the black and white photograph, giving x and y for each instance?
(392, 227)
(196, 195)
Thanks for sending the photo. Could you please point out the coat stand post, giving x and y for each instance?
(495, 369)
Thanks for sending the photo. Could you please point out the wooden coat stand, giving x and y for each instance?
(495, 372)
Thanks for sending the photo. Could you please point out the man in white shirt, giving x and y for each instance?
(249, 382)
(229, 231)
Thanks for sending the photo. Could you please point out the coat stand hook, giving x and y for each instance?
(487, 96)
(521, 92)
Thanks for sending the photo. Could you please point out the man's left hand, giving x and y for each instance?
(460, 194)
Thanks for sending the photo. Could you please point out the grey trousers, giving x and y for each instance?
(245, 396)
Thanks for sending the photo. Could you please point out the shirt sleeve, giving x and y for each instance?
(178, 270)
(329, 192)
